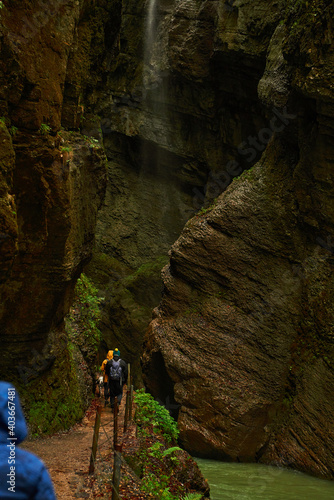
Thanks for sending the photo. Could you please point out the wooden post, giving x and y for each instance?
(126, 413)
(117, 471)
(129, 376)
(130, 407)
(115, 421)
(95, 439)
(117, 456)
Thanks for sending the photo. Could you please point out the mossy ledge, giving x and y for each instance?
(58, 398)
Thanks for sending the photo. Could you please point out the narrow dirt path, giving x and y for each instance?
(67, 454)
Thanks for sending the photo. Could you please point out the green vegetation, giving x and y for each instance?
(313, 7)
(47, 419)
(166, 472)
(204, 210)
(147, 270)
(302, 14)
(44, 129)
(150, 414)
(50, 405)
(103, 266)
(94, 143)
(155, 451)
(249, 174)
(130, 297)
(65, 149)
(13, 130)
(153, 483)
(85, 315)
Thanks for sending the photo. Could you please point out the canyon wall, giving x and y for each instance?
(231, 97)
(242, 341)
(177, 102)
(52, 185)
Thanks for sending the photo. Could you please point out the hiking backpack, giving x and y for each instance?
(115, 370)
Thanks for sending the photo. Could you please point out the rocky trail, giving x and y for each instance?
(67, 454)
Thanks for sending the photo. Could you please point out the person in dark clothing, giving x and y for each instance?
(23, 476)
(117, 371)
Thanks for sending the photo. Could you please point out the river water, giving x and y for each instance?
(231, 481)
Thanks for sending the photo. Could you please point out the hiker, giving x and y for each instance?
(22, 474)
(105, 376)
(117, 371)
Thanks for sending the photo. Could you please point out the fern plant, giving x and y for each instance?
(44, 129)
(150, 413)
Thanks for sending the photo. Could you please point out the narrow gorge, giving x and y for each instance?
(179, 154)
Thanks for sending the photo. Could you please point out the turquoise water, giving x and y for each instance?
(261, 482)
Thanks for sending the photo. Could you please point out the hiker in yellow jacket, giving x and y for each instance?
(105, 376)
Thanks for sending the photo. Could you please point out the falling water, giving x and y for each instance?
(154, 78)
(157, 162)
(150, 32)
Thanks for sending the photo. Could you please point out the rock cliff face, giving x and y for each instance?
(180, 96)
(52, 184)
(242, 341)
(187, 96)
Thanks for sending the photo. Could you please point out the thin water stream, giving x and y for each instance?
(150, 30)
(231, 481)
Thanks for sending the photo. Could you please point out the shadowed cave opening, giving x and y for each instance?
(161, 386)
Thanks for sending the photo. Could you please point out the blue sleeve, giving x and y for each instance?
(45, 489)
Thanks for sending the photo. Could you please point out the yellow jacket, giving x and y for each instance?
(104, 362)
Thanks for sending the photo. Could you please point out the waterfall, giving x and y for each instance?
(154, 77)
(157, 169)
(150, 31)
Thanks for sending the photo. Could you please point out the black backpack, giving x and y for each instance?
(114, 369)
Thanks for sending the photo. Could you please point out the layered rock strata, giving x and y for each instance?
(177, 103)
(52, 183)
(244, 331)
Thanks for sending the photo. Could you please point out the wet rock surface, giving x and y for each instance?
(241, 343)
(243, 330)
(52, 183)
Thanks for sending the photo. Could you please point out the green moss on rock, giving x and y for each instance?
(103, 267)
(130, 296)
(54, 402)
